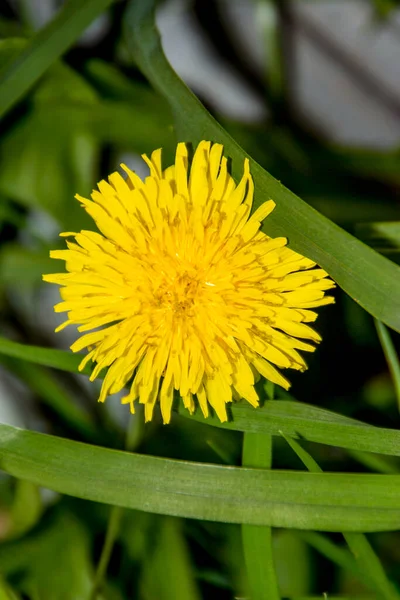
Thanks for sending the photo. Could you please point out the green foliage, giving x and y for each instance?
(187, 522)
(257, 541)
(17, 76)
(37, 558)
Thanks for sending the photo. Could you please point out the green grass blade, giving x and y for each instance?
(257, 541)
(295, 419)
(391, 356)
(300, 500)
(376, 463)
(303, 455)
(40, 52)
(372, 280)
(342, 557)
(369, 564)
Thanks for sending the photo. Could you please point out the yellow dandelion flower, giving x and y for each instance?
(181, 290)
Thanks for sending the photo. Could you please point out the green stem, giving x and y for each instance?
(257, 540)
(133, 436)
(113, 526)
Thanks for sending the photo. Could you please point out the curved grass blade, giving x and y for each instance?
(42, 50)
(300, 500)
(369, 564)
(391, 356)
(295, 419)
(370, 279)
(257, 541)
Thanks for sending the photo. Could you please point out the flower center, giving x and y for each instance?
(178, 294)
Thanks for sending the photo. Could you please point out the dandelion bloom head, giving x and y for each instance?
(180, 290)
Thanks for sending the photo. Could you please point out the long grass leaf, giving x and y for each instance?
(300, 500)
(391, 356)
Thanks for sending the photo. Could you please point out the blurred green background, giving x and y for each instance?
(311, 90)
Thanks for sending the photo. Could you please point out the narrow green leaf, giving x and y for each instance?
(373, 573)
(295, 419)
(300, 500)
(379, 464)
(372, 280)
(369, 563)
(334, 553)
(303, 455)
(391, 356)
(257, 541)
(40, 52)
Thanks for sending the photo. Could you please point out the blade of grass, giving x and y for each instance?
(370, 279)
(295, 419)
(42, 50)
(300, 500)
(369, 564)
(391, 356)
(340, 556)
(257, 541)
